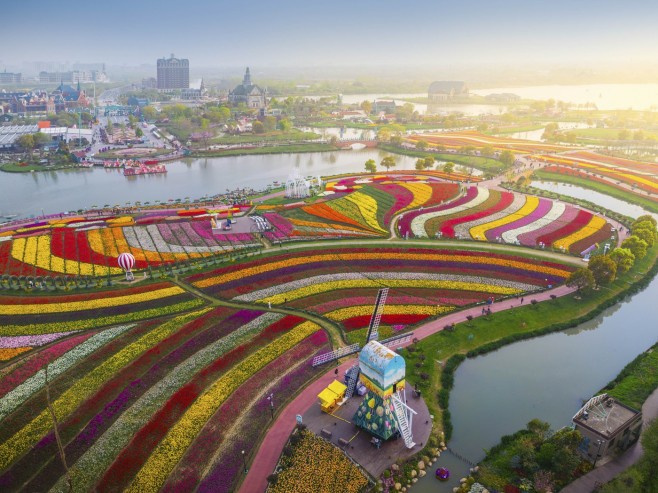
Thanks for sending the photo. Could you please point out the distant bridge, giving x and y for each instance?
(344, 143)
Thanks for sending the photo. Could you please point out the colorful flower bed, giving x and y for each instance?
(487, 215)
(453, 140)
(315, 466)
(93, 248)
(610, 170)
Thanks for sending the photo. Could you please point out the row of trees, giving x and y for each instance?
(603, 269)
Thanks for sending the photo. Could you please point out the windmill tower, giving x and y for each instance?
(383, 411)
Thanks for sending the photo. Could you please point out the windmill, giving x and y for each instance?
(382, 372)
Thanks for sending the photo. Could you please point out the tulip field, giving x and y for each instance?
(83, 247)
(161, 383)
(342, 283)
(642, 176)
(491, 215)
(455, 140)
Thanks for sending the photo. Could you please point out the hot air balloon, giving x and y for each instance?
(126, 261)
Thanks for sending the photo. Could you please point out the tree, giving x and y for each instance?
(582, 279)
(138, 132)
(40, 139)
(429, 162)
(371, 167)
(646, 235)
(149, 112)
(284, 125)
(110, 126)
(449, 167)
(269, 123)
(388, 162)
(623, 135)
(421, 145)
(420, 164)
(624, 259)
(644, 218)
(366, 106)
(487, 151)
(384, 135)
(637, 246)
(507, 157)
(26, 142)
(258, 127)
(603, 269)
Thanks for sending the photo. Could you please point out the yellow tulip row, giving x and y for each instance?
(422, 193)
(159, 465)
(594, 225)
(530, 205)
(90, 323)
(357, 311)
(384, 257)
(393, 283)
(84, 387)
(35, 250)
(368, 207)
(74, 306)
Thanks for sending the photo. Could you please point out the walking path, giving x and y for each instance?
(613, 468)
(268, 453)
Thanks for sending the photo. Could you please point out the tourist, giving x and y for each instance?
(521, 299)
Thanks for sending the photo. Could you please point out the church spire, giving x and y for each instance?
(247, 78)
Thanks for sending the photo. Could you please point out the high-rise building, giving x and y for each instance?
(173, 73)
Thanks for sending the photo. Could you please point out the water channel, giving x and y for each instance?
(27, 194)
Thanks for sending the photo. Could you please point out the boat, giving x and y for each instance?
(151, 161)
(442, 474)
(144, 170)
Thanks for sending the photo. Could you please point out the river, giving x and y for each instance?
(30, 194)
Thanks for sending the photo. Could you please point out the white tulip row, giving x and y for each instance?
(557, 209)
(518, 202)
(11, 400)
(416, 276)
(418, 222)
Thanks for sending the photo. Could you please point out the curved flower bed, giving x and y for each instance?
(497, 201)
(520, 207)
(510, 232)
(560, 215)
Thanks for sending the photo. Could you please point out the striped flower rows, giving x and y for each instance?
(494, 216)
(94, 252)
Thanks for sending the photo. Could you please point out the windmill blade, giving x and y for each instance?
(352, 377)
(397, 340)
(335, 354)
(377, 315)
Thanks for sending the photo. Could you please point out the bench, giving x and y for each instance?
(342, 442)
(326, 433)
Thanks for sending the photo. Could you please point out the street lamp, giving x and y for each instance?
(598, 451)
(271, 399)
(244, 462)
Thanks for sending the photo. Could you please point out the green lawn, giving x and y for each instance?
(266, 137)
(488, 165)
(599, 187)
(279, 149)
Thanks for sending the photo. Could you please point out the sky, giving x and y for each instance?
(338, 33)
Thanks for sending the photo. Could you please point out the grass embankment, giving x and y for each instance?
(116, 154)
(266, 137)
(14, 168)
(488, 165)
(512, 325)
(637, 380)
(615, 192)
(278, 149)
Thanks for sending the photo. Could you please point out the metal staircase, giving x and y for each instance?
(377, 314)
(353, 377)
(404, 415)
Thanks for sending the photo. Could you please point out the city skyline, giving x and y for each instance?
(298, 33)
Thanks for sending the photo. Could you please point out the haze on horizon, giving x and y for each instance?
(294, 33)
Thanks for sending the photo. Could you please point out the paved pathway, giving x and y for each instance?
(268, 452)
(613, 468)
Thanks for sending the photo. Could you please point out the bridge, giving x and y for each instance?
(345, 143)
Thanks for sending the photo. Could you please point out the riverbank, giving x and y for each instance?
(277, 149)
(490, 333)
(15, 168)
